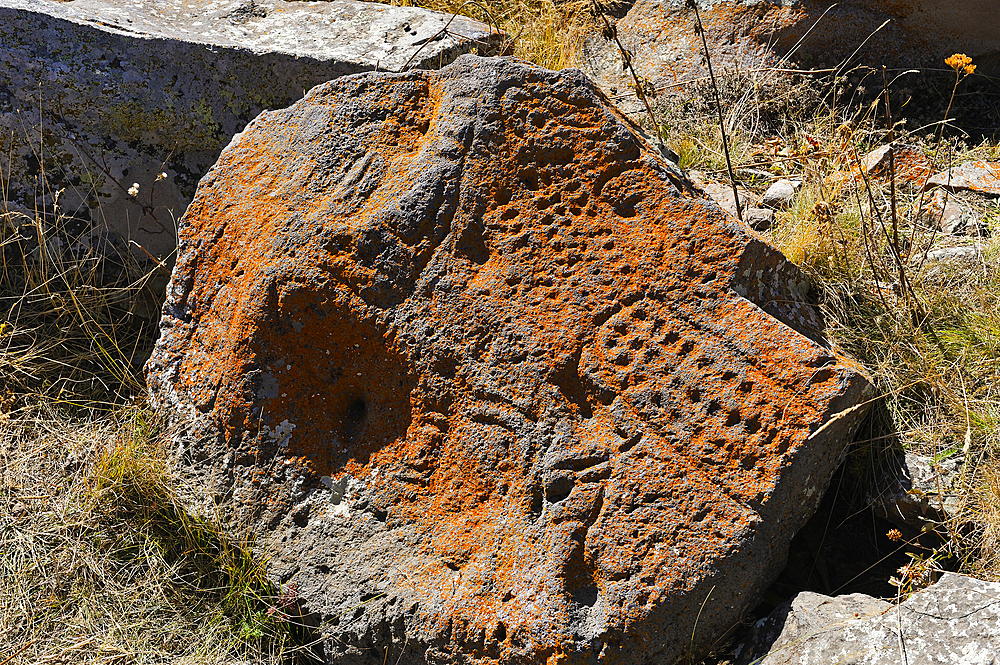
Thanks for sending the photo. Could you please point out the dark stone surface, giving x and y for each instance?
(491, 381)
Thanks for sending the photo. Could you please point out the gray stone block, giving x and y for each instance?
(96, 96)
(954, 621)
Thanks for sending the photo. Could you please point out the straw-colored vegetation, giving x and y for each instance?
(100, 563)
(928, 331)
(539, 31)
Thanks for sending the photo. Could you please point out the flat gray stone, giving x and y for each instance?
(126, 92)
(722, 194)
(956, 621)
(780, 194)
(964, 253)
(978, 176)
(800, 617)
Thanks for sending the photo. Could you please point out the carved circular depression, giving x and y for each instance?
(330, 380)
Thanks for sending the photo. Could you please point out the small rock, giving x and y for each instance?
(979, 176)
(908, 162)
(916, 490)
(964, 253)
(944, 213)
(722, 194)
(18, 509)
(779, 195)
(759, 219)
(71, 463)
(956, 620)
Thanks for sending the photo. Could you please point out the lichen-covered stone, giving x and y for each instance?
(127, 91)
(494, 385)
(979, 176)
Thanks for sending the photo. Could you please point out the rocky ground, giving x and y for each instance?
(474, 365)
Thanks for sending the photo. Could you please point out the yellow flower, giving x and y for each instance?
(961, 63)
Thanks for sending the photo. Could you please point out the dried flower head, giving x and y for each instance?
(894, 534)
(133, 191)
(961, 63)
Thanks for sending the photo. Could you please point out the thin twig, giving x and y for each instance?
(894, 216)
(627, 60)
(700, 29)
(696, 620)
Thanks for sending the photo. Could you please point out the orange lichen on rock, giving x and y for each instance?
(517, 395)
(906, 163)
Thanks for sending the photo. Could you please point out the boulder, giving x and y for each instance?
(749, 36)
(98, 98)
(907, 163)
(957, 620)
(799, 618)
(492, 382)
(941, 210)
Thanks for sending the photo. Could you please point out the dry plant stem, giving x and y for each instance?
(147, 210)
(700, 29)
(436, 36)
(696, 620)
(937, 149)
(904, 282)
(627, 60)
(892, 190)
(805, 35)
(868, 254)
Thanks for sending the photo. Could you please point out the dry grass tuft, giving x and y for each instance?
(79, 313)
(544, 32)
(99, 561)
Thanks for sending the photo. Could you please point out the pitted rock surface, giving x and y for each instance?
(116, 93)
(495, 386)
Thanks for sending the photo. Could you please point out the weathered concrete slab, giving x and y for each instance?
(102, 95)
(956, 620)
(493, 382)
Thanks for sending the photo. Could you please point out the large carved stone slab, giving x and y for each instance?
(96, 96)
(494, 384)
